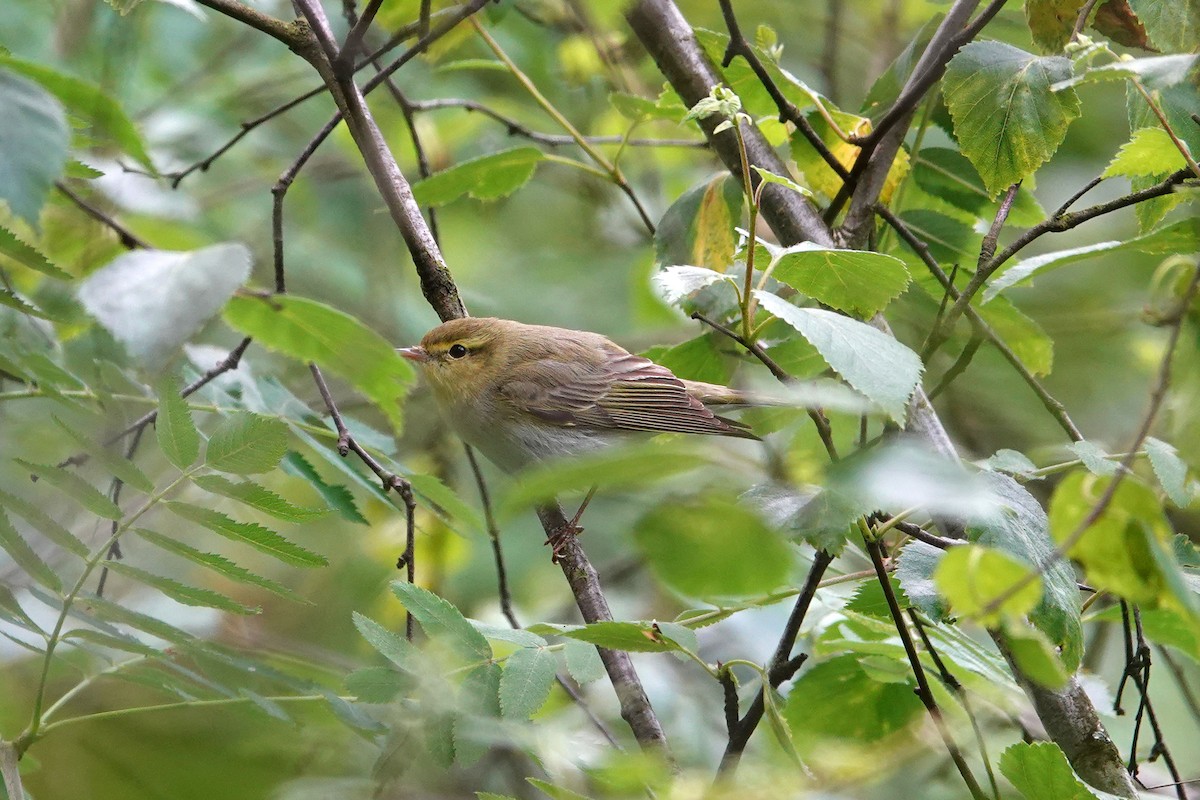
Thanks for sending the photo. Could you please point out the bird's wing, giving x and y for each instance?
(621, 391)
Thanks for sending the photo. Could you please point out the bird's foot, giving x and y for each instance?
(560, 539)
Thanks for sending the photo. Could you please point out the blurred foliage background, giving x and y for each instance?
(567, 249)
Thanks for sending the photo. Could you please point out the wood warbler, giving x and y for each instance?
(522, 393)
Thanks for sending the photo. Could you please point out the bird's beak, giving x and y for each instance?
(416, 353)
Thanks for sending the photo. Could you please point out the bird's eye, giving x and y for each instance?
(456, 351)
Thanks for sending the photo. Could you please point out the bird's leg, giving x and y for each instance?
(558, 539)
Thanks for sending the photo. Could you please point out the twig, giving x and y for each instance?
(599, 158)
(1138, 669)
(788, 112)
(1157, 395)
(958, 367)
(127, 237)
(914, 660)
(589, 597)
(1057, 224)
(815, 414)
(879, 148)
(781, 668)
(516, 128)
(1081, 20)
(346, 443)
(1053, 406)
(959, 692)
(402, 34)
(114, 493)
(354, 37)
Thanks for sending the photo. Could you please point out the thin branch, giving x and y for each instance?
(401, 35)
(516, 128)
(354, 37)
(958, 367)
(128, 239)
(914, 659)
(230, 362)
(1057, 224)
(346, 443)
(589, 597)
(959, 692)
(879, 148)
(10, 770)
(1157, 395)
(1052, 405)
(1082, 18)
(1138, 669)
(114, 494)
(788, 111)
(780, 669)
(275, 28)
(505, 594)
(815, 414)
(599, 158)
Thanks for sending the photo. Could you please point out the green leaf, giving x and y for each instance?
(946, 174)
(181, 592)
(246, 443)
(33, 145)
(154, 301)
(15, 301)
(217, 563)
(1040, 771)
(1115, 552)
(872, 362)
(1170, 470)
(44, 524)
(120, 466)
(28, 256)
(1173, 25)
(678, 283)
(80, 490)
(914, 572)
(87, 102)
(390, 645)
(555, 792)
(1028, 340)
(1051, 22)
(972, 577)
(823, 519)
(1094, 458)
(177, 434)
(374, 684)
(697, 359)
(583, 662)
(525, 684)
(700, 227)
(866, 711)
(114, 612)
(1035, 656)
(251, 533)
(637, 464)
(855, 281)
(310, 331)
(1007, 120)
(337, 496)
(1149, 153)
(710, 547)
(1022, 530)
(487, 177)
(257, 497)
(25, 557)
(439, 619)
(1011, 462)
(771, 177)
(633, 637)
(667, 107)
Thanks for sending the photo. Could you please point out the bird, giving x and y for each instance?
(523, 394)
